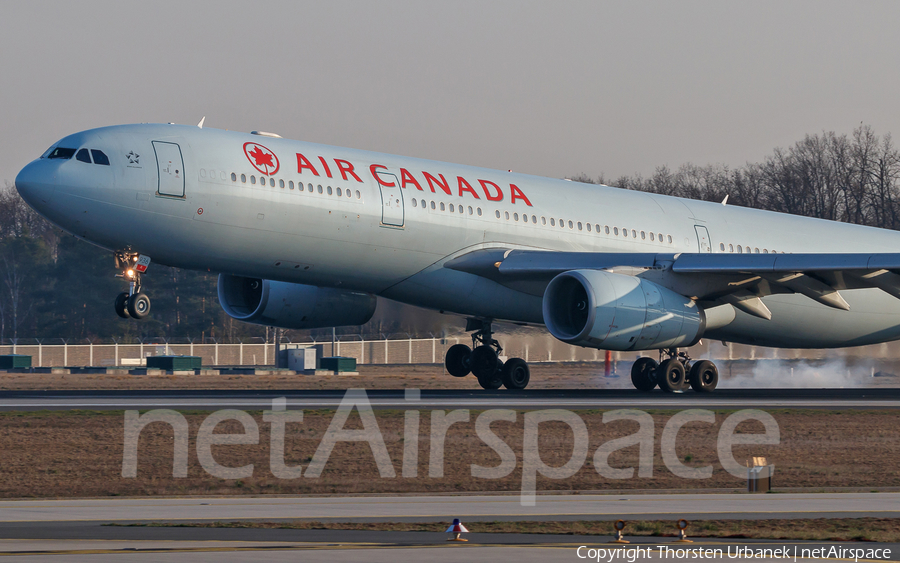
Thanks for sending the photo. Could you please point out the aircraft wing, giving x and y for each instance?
(712, 279)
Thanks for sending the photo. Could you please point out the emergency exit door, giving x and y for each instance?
(703, 239)
(171, 168)
(391, 200)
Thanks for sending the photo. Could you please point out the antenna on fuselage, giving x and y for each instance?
(725, 201)
(200, 125)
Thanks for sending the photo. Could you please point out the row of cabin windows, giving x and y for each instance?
(290, 185)
(746, 249)
(82, 155)
(589, 227)
(446, 207)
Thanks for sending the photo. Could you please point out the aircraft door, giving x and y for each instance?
(171, 168)
(703, 239)
(391, 200)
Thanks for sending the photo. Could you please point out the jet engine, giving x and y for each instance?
(600, 309)
(292, 305)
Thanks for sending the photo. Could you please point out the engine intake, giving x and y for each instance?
(600, 309)
(292, 305)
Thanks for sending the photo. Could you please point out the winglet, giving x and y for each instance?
(200, 125)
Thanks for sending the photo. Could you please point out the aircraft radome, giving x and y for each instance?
(307, 235)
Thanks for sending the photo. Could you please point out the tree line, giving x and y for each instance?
(53, 285)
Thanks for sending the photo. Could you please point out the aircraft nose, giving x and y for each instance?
(35, 184)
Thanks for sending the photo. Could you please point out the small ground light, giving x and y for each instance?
(682, 536)
(456, 528)
(619, 525)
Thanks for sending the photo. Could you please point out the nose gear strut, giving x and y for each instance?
(133, 303)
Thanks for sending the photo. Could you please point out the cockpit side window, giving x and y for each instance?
(100, 157)
(83, 156)
(61, 152)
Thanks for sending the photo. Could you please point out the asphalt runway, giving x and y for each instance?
(444, 508)
(858, 398)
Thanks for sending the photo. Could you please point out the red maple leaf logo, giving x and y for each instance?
(261, 158)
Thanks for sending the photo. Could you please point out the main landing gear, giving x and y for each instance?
(674, 374)
(483, 360)
(132, 304)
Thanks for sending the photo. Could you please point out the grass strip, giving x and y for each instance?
(825, 529)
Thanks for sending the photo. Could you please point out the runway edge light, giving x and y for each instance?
(619, 525)
(682, 536)
(456, 528)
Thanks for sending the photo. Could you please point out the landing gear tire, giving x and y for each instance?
(485, 363)
(139, 305)
(122, 306)
(491, 382)
(643, 374)
(671, 376)
(515, 374)
(704, 376)
(457, 360)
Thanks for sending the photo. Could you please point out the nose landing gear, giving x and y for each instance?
(483, 360)
(132, 304)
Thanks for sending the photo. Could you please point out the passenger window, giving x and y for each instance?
(722, 246)
(755, 251)
(359, 196)
(616, 231)
(329, 190)
(62, 153)
(280, 183)
(309, 187)
(442, 206)
(730, 248)
(339, 192)
(506, 214)
(291, 184)
(83, 156)
(597, 228)
(579, 225)
(589, 227)
(607, 229)
(670, 239)
(643, 235)
(452, 209)
(101, 158)
(660, 237)
(252, 179)
(244, 178)
(497, 213)
(534, 219)
(633, 233)
(552, 222)
(624, 232)
(515, 216)
(543, 220)
(319, 188)
(765, 251)
(740, 249)
(415, 202)
(233, 177)
(460, 208)
(432, 205)
(471, 211)
(479, 211)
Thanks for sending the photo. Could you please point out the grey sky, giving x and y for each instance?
(550, 88)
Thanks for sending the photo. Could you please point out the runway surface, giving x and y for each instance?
(433, 547)
(864, 398)
(440, 508)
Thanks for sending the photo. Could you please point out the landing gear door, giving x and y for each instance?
(391, 200)
(171, 168)
(703, 239)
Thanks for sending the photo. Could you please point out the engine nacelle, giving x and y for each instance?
(599, 309)
(292, 305)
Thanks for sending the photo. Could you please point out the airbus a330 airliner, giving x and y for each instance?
(307, 235)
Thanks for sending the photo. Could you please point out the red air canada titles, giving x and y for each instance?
(491, 190)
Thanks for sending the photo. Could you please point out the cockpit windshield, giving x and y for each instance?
(63, 153)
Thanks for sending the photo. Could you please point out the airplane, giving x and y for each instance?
(306, 235)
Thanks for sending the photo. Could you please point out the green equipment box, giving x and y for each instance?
(14, 361)
(338, 363)
(175, 363)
